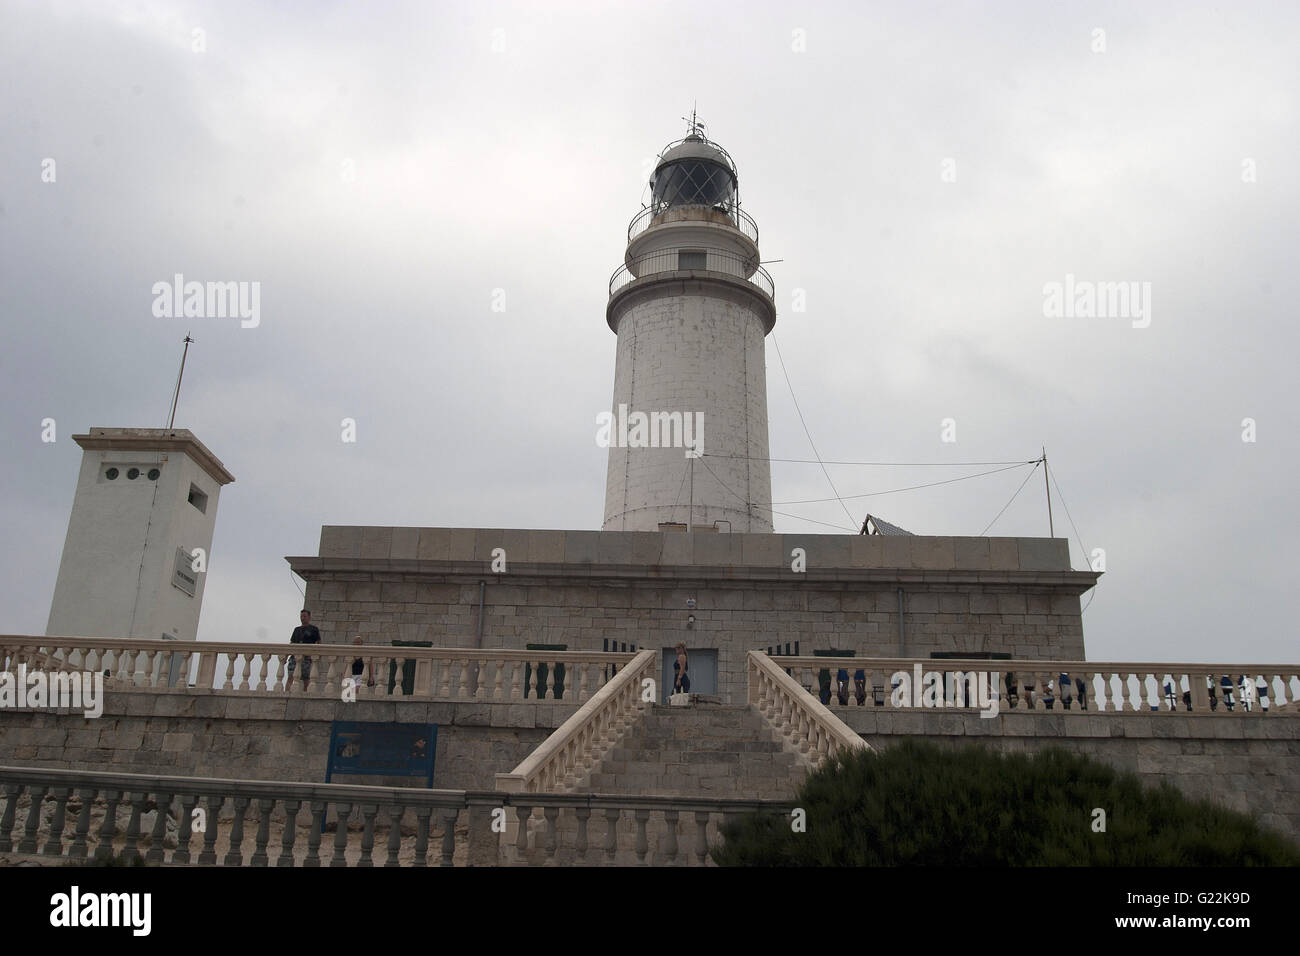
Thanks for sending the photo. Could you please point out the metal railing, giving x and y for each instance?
(716, 261)
(735, 217)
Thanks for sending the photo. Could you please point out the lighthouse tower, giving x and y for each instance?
(691, 307)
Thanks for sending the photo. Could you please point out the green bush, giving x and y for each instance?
(915, 804)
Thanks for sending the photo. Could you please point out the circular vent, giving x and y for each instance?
(153, 474)
(111, 474)
(133, 473)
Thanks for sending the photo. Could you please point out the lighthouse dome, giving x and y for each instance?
(694, 172)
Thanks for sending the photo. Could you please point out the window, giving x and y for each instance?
(198, 499)
(692, 259)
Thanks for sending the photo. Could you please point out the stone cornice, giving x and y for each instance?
(558, 574)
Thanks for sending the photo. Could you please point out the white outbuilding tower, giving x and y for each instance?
(139, 536)
(691, 307)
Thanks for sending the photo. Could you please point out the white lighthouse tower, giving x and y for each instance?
(691, 307)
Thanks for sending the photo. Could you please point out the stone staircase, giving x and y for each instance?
(705, 750)
(701, 750)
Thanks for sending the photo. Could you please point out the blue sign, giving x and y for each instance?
(389, 750)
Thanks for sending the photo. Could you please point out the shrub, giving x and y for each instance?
(915, 804)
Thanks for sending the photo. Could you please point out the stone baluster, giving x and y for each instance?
(551, 815)
(107, 665)
(135, 673)
(612, 817)
(498, 690)
(1123, 700)
(825, 744)
(290, 834)
(332, 686)
(583, 695)
(318, 808)
(235, 855)
(520, 691)
(264, 807)
(394, 836)
(108, 829)
(77, 851)
(670, 838)
(449, 817)
(582, 814)
(422, 815)
(702, 836)
(1142, 702)
(254, 678)
(463, 690)
(227, 673)
(54, 844)
(368, 813)
(185, 831)
(208, 855)
(12, 793)
(158, 836)
(28, 843)
(183, 675)
(144, 671)
(237, 665)
(131, 851)
(523, 813)
(642, 844)
(341, 813)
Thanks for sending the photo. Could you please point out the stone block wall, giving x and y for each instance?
(581, 589)
(255, 737)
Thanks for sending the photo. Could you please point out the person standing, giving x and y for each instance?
(304, 633)
(681, 682)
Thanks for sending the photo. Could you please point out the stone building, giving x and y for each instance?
(687, 551)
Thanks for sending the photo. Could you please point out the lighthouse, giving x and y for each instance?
(691, 306)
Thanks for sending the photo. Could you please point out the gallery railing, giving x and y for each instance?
(714, 261)
(1242, 690)
(734, 217)
(164, 820)
(422, 673)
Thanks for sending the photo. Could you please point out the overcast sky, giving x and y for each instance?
(921, 171)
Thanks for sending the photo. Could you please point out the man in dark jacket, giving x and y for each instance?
(305, 633)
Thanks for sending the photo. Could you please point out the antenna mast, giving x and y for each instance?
(176, 395)
(1051, 529)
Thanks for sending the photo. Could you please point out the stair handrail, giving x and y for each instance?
(795, 714)
(582, 740)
